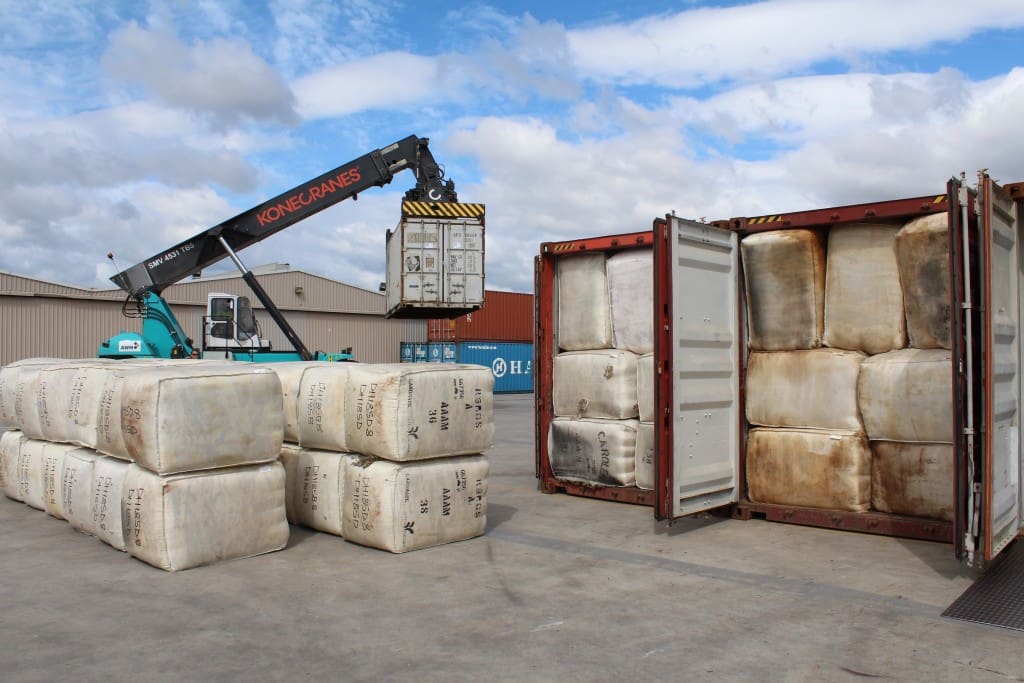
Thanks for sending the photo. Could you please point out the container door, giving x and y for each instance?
(1001, 518)
(697, 353)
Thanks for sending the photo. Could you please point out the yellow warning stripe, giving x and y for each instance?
(446, 209)
(938, 200)
(764, 219)
(564, 246)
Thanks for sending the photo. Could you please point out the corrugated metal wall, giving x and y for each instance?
(39, 318)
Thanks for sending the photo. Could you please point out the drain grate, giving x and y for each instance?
(997, 598)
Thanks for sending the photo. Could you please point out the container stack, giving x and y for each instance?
(389, 455)
(843, 414)
(173, 462)
(602, 375)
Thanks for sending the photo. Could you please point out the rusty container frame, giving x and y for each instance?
(545, 318)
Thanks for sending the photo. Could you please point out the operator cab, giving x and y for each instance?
(230, 325)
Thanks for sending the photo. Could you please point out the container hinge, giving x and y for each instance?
(968, 431)
(967, 306)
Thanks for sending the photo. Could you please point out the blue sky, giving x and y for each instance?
(128, 126)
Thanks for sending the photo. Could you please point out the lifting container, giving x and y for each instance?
(701, 354)
(435, 260)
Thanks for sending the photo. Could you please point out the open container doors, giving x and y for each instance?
(700, 351)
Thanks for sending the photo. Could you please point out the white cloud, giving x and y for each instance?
(774, 37)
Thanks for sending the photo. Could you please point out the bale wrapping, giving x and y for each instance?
(408, 506)
(922, 252)
(863, 297)
(584, 313)
(179, 521)
(290, 374)
(815, 389)
(108, 476)
(784, 280)
(631, 297)
(10, 454)
(53, 466)
(594, 451)
(907, 395)
(76, 488)
(645, 456)
(645, 379)
(315, 487)
(599, 384)
(320, 407)
(809, 468)
(914, 479)
(30, 473)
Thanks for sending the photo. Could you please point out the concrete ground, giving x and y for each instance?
(559, 589)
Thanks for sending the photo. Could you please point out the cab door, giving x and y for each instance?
(697, 364)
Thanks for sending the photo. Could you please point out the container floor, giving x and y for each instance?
(561, 588)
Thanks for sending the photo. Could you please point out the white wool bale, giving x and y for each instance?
(414, 411)
(914, 479)
(320, 408)
(290, 374)
(58, 393)
(85, 402)
(182, 418)
(863, 297)
(599, 383)
(645, 456)
(594, 451)
(30, 473)
(185, 520)
(815, 389)
(12, 395)
(76, 488)
(907, 395)
(52, 465)
(645, 379)
(584, 312)
(784, 280)
(36, 400)
(315, 488)
(631, 298)
(407, 506)
(108, 476)
(10, 455)
(809, 468)
(922, 252)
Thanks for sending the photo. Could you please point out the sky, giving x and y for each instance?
(127, 127)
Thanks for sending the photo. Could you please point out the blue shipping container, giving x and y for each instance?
(405, 351)
(419, 352)
(511, 363)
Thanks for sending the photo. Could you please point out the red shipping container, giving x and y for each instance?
(505, 316)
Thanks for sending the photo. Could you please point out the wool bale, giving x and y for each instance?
(914, 479)
(584, 312)
(30, 473)
(315, 487)
(922, 252)
(630, 276)
(814, 389)
(52, 465)
(809, 468)
(645, 456)
(784, 281)
(594, 451)
(185, 520)
(863, 297)
(77, 490)
(407, 506)
(183, 418)
(907, 395)
(645, 379)
(39, 398)
(108, 477)
(599, 383)
(320, 407)
(290, 374)
(10, 456)
(414, 411)
(12, 395)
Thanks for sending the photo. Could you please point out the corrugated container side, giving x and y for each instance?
(505, 316)
(511, 363)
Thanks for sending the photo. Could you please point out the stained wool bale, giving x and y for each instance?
(863, 297)
(320, 408)
(645, 456)
(179, 521)
(290, 374)
(183, 418)
(108, 477)
(784, 280)
(10, 455)
(809, 468)
(414, 411)
(907, 395)
(30, 473)
(52, 464)
(594, 451)
(600, 383)
(815, 389)
(631, 298)
(645, 379)
(12, 380)
(407, 506)
(922, 252)
(315, 488)
(914, 479)
(76, 488)
(584, 311)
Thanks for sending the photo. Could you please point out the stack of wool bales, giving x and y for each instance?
(603, 374)
(174, 462)
(388, 455)
(843, 415)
